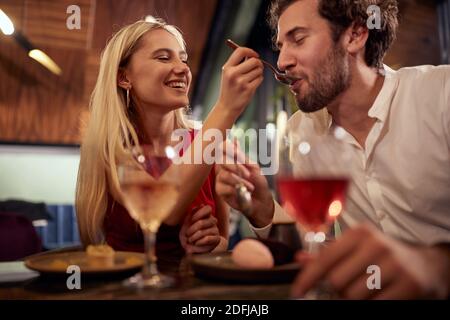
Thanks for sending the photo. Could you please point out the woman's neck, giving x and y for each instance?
(155, 127)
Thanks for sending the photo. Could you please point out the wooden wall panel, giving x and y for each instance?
(38, 107)
(46, 20)
(110, 16)
(90, 76)
(417, 37)
(195, 33)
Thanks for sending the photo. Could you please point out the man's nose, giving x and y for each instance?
(286, 60)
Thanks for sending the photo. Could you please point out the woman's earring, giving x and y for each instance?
(128, 98)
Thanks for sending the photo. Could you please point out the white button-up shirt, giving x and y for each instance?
(401, 179)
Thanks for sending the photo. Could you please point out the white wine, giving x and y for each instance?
(149, 201)
(149, 184)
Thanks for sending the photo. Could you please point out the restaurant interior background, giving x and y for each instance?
(42, 114)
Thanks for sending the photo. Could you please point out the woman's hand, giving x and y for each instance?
(241, 76)
(199, 233)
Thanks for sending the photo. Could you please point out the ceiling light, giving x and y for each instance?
(6, 24)
(45, 60)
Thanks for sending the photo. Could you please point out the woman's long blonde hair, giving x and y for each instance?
(110, 130)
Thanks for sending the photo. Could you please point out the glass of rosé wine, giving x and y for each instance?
(312, 180)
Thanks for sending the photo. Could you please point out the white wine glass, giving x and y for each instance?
(149, 186)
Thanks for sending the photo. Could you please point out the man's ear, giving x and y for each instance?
(355, 38)
(122, 79)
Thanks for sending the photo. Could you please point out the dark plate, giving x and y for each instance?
(220, 266)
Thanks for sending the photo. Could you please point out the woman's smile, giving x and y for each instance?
(178, 85)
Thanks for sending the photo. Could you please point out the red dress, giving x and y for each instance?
(124, 234)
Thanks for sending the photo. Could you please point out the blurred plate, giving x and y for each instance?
(15, 271)
(57, 263)
(220, 266)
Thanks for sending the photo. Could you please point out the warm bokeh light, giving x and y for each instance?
(320, 237)
(45, 60)
(335, 208)
(6, 24)
(304, 147)
(170, 152)
(271, 131)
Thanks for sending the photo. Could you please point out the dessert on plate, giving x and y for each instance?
(100, 255)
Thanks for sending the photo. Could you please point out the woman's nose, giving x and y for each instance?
(181, 67)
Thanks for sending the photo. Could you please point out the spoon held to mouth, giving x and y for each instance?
(280, 76)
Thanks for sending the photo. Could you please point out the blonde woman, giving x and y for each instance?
(140, 97)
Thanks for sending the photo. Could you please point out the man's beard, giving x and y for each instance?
(328, 81)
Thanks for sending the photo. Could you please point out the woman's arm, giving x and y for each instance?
(239, 83)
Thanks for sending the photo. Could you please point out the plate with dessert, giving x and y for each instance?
(94, 260)
(251, 261)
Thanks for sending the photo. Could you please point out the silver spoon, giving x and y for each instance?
(280, 76)
(244, 198)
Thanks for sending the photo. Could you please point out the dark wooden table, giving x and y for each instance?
(188, 286)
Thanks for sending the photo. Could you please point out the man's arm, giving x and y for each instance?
(442, 252)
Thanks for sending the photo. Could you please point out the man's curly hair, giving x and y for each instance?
(340, 14)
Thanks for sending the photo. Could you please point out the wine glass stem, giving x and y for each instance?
(312, 246)
(150, 266)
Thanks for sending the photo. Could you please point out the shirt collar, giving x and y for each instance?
(381, 106)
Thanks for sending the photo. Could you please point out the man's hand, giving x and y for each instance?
(406, 272)
(248, 173)
(199, 233)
